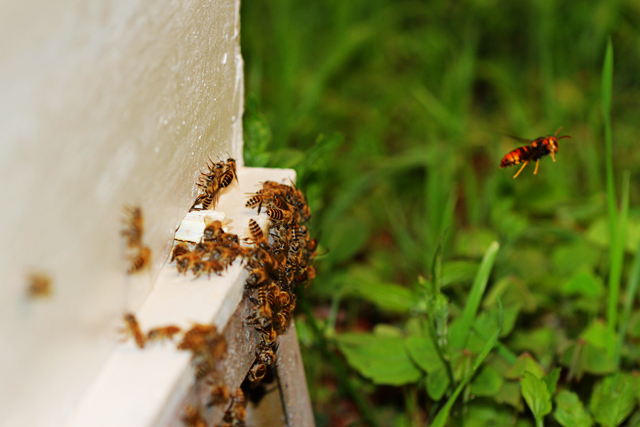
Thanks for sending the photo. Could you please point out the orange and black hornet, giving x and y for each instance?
(536, 149)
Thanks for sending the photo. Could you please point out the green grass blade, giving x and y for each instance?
(443, 414)
(632, 291)
(475, 297)
(617, 257)
(614, 279)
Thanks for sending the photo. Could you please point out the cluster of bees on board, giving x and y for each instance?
(277, 262)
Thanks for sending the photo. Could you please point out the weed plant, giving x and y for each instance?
(449, 293)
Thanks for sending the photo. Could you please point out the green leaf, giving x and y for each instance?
(569, 258)
(443, 414)
(584, 357)
(389, 297)
(437, 383)
(570, 412)
(381, 358)
(487, 382)
(613, 399)
(510, 394)
(584, 283)
(541, 341)
(459, 340)
(525, 363)
(488, 416)
(424, 353)
(458, 272)
(489, 320)
(597, 334)
(536, 394)
(473, 242)
(551, 380)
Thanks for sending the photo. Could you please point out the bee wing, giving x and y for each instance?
(517, 138)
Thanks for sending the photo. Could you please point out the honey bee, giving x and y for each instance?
(279, 215)
(188, 261)
(139, 259)
(257, 372)
(180, 249)
(194, 338)
(39, 285)
(206, 346)
(307, 276)
(134, 226)
(232, 165)
(226, 178)
(268, 334)
(257, 277)
(258, 237)
(192, 417)
(261, 316)
(266, 354)
(219, 395)
(163, 333)
(237, 412)
(212, 228)
(536, 149)
(132, 328)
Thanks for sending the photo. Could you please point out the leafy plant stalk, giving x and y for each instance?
(632, 291)
(443, 414)
(615, 268)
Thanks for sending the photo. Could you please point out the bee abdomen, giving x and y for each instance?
(515, 157)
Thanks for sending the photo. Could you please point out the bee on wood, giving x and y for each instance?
(232, 166)
(266, 354)
(192, 417)
(163, 333)
(262, 313)
(237, 412)
(257, 277)
(39, 285)
(536, 149)
(257, 372)
(219, 394)
(133, 226)
(139, 260)
(279, 215)
(219, 176)
(132, 328)
(180, 249)
(188, 261)
(206, 346)
(137, 254)
(268, 334)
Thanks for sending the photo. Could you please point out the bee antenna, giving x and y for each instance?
(558, 131)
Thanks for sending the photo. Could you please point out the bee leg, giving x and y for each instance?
(537, 164)
(553, 156)
(525, 164)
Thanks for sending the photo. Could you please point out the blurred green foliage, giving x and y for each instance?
(393, 113)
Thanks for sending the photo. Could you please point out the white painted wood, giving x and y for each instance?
(135, 386)
(103, 103)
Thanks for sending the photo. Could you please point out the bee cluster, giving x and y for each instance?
(277, 263)
(215, 252)
(219, 176)
(138, 254)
